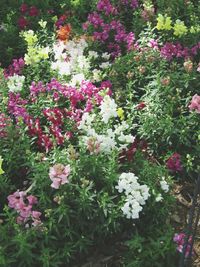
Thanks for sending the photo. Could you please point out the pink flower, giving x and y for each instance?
(174, 162)
(23, 8)
(58, 174)
(195, 103)
(23, 205)
(33, 12)
(22, 23)
(32, 200)
(179, 239)
(140, 106)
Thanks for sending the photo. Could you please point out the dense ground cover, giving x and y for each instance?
(99, 118)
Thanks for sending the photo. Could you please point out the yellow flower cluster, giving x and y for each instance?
(1, 170)
(35, 53)
(180, 28)
(165, 23)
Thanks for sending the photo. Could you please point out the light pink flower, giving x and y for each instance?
(58, 174)
(195, 103)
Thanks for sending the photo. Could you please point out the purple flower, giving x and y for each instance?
(174, 162)
(179, 239)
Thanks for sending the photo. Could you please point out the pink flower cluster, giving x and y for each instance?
(17, 106)
(130, 3)
(106, 7)
(15, 68)
(23, 204)
(49, 127)
(58, 174)
(179, 239)
(174, 163)
(4, 122)
(25, 10)
(112, 33)
(195, 103)
(171, 50)
(80, 101)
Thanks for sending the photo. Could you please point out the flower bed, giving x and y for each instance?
(96, 125)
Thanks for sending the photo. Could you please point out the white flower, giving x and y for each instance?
(104, 65)
(96, 75)
(164, 185)
(136, 194)
(77, 79)
(15, 83)
(121, 128)
(69, 58)
(93, 54)
(126, 138)
(108, 109)
(159, 198)
(105, 56)
(42, 23)
(86, 122)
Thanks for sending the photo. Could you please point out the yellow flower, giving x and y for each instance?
(30, 37)
(120, 113)
(164, 22)
(195, 29)
(180, 28)
(1, 161)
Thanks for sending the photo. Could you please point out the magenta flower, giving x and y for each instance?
(23, 8)
(33, 12)
(195, 103)
(22, 23)
(58, 174)
(179, 239)
(174, 162)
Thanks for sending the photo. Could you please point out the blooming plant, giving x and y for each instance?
(95, 125)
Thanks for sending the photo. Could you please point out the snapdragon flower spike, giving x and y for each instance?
(17, 106)
(136, 194)
(58, 174)
(195, 103)
(113, 28)
(23, 205)
(107, 7)
(15, 68)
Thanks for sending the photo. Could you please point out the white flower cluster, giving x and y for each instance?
(108, 109)
(108, 140)
(15, 83)
(70, 59)
(164, 185)
(97, 73)
(136, 194)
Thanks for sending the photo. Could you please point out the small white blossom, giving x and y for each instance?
(93, 54)
(105, 56)
(77, 79)
(96, 75)
(104, 65)
(15, 83)
(164, 185)
(108, 109)
(159, 198)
